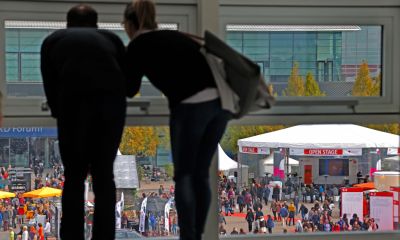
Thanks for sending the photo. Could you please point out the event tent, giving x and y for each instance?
(225, 162)
(4, 194)
(270, 161)
(43, 192)
(323, 136)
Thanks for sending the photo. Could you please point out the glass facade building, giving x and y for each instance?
(332, 55)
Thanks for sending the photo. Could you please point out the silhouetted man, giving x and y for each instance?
(85, 89)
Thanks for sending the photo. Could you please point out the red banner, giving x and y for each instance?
(308, 174)
(249, 149)
(381, 194)
(323, 152)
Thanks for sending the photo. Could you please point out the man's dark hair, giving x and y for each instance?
(82, 15)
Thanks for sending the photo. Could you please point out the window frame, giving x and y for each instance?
(232, 12)
(27, 111)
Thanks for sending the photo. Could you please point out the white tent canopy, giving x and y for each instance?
(323, 136)
(225, 162)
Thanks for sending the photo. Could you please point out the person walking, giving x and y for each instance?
(292, 213)
(40, 232)
(274, 207)
(270, 224)
(240, 202)
(173, 63)
(250, 219)
(284, 214)
(47, 229)
(303, 210)
(266, 193)
(82, 70)
(25, 234)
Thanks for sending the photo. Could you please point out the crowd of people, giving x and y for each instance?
(27, 218)
(306, 208)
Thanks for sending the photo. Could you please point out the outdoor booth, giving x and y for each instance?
(327, 153)
(230, 166)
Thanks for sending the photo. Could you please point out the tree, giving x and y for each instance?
(295, 83)
(271, 90)
(312, 87)
(364, 85)
(140, 141)
(169, 170)
(377, 83)
(393, 128)
(234, 133)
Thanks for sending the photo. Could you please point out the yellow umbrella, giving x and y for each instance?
(43, 193)
(4, 194)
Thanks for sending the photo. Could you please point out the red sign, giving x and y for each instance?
(381, 194)
(352, 189)
(323, 152)
(395, 189)
(249, 149)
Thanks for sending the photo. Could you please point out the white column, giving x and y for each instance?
(208, 19)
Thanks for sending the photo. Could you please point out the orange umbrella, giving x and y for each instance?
(43, 193)
(365, 186)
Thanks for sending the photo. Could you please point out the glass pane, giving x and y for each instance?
(12, 67)
(23, 40)
(30, 67)
(341, 60)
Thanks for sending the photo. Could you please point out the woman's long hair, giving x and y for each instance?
(142, 14)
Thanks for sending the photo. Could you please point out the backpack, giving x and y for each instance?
(305, 210)
(239, 80)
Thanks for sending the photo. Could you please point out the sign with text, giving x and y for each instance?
(396, 203)
(254, 150)
(326, 151)
(352, 199)
(21, 132)
(381, 209)
(393, 151)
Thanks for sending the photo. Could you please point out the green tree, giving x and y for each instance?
(312, 87)
(169, 170)
(140, 172)
(295, 83)
(364, 85)
(234, 133)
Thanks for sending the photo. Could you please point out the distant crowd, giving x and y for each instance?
(295, 209)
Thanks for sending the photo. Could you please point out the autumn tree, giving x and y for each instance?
(377, 84)
(143, 141)
(393, 128)
(364, 85)
(312, 87)
(295, 83)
